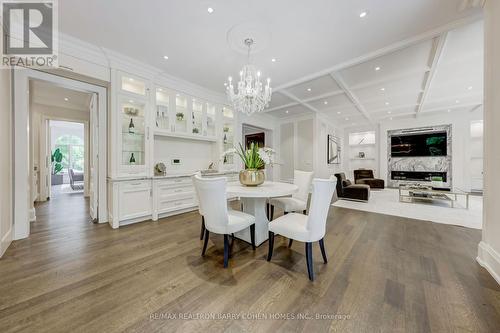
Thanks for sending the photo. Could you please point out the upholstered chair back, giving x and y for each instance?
(362, 174)
(200, 208)
(212, 196)
(321, 198)
(303, 180)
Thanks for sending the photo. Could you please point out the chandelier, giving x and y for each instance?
(250, 96)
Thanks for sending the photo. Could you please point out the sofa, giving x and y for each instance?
(347, 190)
(366, 177)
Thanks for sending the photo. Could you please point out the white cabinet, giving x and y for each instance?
(130, 129)
(131, 201)
(172, 196)
(183, 116)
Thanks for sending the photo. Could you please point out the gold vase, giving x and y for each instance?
(252, 177)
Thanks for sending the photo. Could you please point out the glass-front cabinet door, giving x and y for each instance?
(132, 85)
(228, 134)
(133, 132)
(163, 112)
(210, 120)
(181, 113)
(197, 117)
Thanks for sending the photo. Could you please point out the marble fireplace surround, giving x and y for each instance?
(425, 164)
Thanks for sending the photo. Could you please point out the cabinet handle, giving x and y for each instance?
(66, 67)
(178, 180)
(177, 191)
(135, 184)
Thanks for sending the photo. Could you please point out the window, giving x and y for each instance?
(72, 148)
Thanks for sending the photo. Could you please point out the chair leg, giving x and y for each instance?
(252, 235)
(271, 245)
(202, 227)
(285, 213)
(309, 260)
(272, 213)
(231, 246)
(304, 212)
(205, 243)
(226, 250)
(290, 242)
(323, 253)
(268, 211)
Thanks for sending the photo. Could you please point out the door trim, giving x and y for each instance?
(20, 165)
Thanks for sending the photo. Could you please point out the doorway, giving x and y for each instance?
(50, 151)
(260, 136)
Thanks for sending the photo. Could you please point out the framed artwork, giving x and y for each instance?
(333, 150)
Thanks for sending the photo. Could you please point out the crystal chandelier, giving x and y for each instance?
(251, 95)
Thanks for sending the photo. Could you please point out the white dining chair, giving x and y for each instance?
(298, 201)
(306, 228)
(200, 208)
(218, 219)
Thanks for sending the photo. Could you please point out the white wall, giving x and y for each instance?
(321, 168)
(5, 161)
(489, 248)
(461, 143)
(194, 155)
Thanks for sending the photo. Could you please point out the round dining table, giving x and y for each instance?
(254, 199)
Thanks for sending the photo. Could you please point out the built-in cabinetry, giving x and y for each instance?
(476, 156)
(362, 152)
(144, 116)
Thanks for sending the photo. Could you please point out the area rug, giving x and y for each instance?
(386, 201)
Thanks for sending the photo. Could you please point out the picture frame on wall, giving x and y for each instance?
(333, 150)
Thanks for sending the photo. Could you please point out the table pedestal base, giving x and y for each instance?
(257, 208)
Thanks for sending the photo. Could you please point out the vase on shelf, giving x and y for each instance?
(252, 177)
(132, 159)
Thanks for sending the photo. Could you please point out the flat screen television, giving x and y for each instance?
(426, 144)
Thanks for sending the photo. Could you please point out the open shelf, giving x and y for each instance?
(165, 133)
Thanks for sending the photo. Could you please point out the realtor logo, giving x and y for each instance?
(29, 33)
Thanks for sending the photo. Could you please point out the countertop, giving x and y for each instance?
(170, 175)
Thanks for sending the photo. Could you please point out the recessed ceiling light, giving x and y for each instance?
(449, 110)
(363, 14)
(338, 112)
(131, 79)
(159, 89)
(382, 89)
(387, 103)
(389, 112)
(225, 84)
(309, 89)
(287, 111)
(346, 118)
(469, 88)
(210, 10)
(66, 99)
(390, 118)
(457, 101)
(325, 102)
(273, 59)
(165, 57)
(130, 101)
(377, 68)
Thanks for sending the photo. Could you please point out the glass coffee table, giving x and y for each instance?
(414, 193)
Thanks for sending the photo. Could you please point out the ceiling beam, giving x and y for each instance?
(436, 53)
(284, 106)
(298, 100)
(385, 50)
(343, 85)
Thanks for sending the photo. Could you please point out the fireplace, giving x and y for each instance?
(418, 176)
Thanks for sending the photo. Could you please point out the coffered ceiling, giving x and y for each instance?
(441, 74)
(305, 38)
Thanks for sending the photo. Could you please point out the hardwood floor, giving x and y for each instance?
(384, 274)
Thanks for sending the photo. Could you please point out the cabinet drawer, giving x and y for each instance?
(171, 182)
(135, 185)
(175, 204)
(166, 191)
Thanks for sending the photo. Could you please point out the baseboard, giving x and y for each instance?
(489, 259)
(5, 242)
(32, 215)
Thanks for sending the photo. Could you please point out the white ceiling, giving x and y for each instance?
(306, 37)
(47, 93)
(443, 74)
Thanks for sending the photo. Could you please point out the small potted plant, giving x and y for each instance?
(179, 116)
(225, 129)
(196, 130)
